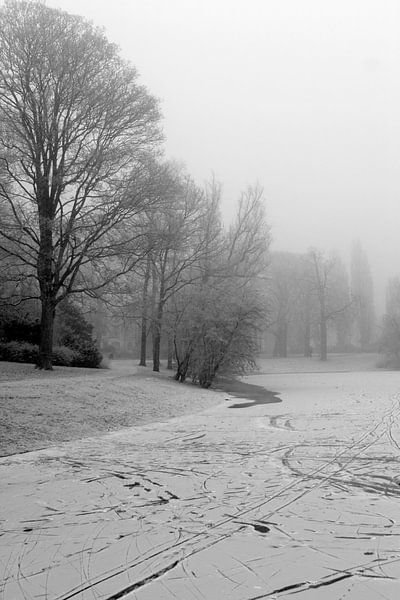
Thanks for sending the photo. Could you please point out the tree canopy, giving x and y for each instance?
(76, 134)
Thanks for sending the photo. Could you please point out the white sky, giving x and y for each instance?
(300, 95)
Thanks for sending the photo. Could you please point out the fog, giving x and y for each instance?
(301, 96)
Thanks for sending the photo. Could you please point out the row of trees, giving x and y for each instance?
(200, 288)
(88, 206)
(312, 295)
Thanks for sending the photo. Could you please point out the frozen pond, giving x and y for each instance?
(264, 501)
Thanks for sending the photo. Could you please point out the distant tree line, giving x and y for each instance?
(315, 304)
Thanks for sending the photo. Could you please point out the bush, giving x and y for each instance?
(22, 352)
(21, 330)
(71, 327)
(74, 344)
(63, 356)
(86, 355)
(75, 333)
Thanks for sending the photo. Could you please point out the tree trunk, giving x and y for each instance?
(275, 352)
(143, 333)
(307, 328)
(307, 341)
(46, 334)
(323, 340)
(182, 365)
(156, 347)
(170, 353)
(280, 345)
(45, 276)
(157, 337)
(158, 320)
(284, 340)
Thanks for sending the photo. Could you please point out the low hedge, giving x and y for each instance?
(23, 352)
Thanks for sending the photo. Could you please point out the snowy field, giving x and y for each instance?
(294, 493)
(41, 409)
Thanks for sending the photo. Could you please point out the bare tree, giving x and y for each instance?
(331, 297)
(75, 126)
(186, 238)
(145, 311)
(286, 296)
(218, 319)
(248, 237)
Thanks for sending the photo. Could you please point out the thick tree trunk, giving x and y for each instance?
(156, 346)
(323, 340)
(46, 277)
(46, 334)
(143, 333)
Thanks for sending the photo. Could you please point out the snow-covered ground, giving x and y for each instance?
(41, 409)
(246, 500)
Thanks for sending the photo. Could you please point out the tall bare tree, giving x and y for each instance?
(75, 127)
(186, 241)
(333, 299)
(286, 297)
(218, 319)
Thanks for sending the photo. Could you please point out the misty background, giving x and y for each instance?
(302, 97)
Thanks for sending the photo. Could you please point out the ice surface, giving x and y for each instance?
(296, 498)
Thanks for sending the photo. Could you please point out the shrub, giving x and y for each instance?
(63, 356)
(22, 352)
(74, 332)
(86, 355)
(21, 330)
(71, 327)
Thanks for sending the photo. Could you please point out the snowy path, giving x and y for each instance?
(264, 501)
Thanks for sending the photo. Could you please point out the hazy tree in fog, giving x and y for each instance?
(218, 320)
(363, 296)
(285, 293)
(390, 338)
(217, 330)
(342, 320)
(74, 127)
(327, 286)
(145, 275)
(144, 317)
(185, 231)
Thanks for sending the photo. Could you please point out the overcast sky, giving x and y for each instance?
(302, 96)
